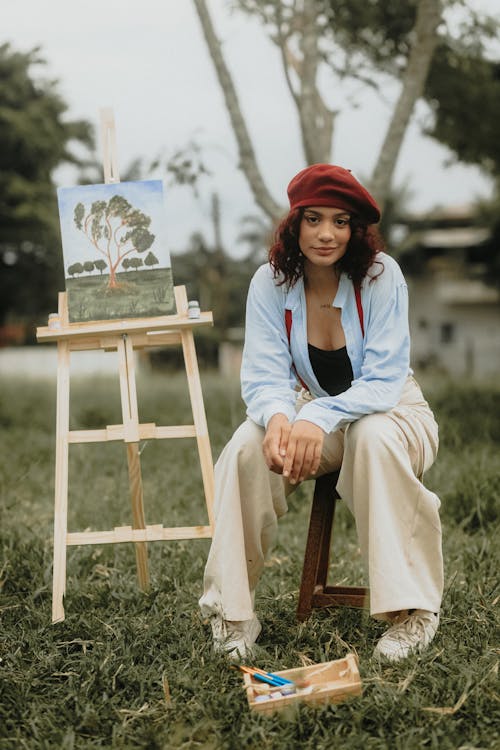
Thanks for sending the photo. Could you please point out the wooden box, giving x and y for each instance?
(328, 682)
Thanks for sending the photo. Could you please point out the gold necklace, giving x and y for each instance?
(322, 305)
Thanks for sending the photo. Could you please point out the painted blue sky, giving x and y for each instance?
(147, 196)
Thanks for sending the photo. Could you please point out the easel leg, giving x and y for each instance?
(139, 522)
(130, 412)
(200, 421)
(199, 416)
(61, 483)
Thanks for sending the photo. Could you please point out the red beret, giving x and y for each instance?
(328, 185)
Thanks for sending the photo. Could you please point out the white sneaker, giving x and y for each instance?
(409, 633)
(236, 638)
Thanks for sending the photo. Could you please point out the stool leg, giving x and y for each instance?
(327, 506)
(318, 543)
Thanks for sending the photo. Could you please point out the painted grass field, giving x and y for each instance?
(97, 680)
(139, 294)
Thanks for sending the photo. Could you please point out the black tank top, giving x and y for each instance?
(332, 368)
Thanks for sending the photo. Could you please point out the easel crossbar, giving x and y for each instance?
(148, 431)
(168, 325)
(153, 533)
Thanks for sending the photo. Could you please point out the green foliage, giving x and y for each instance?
(96, 679)
(463, 90)
(374, 31)
(463, 85)
(36, 138)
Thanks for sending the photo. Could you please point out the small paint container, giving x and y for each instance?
(54, 320)
(261, 698)
(194, 309)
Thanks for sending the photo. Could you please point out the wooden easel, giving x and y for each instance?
(124, 336)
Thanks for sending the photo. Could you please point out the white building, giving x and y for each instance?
(454, 312)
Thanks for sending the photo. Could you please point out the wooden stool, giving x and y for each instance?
(314, 591)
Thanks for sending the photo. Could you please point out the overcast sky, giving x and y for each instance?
(148, 61)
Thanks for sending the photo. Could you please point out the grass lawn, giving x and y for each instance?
(97, 679)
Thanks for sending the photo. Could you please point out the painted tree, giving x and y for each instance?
(151, 259)
(349, 40)
(135, 263)
(100, 264)
(88, 266)
(75, 269)
(115, 229)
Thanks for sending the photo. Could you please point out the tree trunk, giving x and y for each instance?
(316, 120)
(429, 14)
(112, 282)
(248, 162)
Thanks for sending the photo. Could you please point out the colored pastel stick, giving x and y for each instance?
(264, 678)
(277, 677)
(271, 678)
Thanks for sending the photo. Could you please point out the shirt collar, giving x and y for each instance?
(294, 294)
(342, 291)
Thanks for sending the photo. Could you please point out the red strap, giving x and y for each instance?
(288, 324)
(357, 293)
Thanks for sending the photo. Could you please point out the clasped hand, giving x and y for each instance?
(293, 450)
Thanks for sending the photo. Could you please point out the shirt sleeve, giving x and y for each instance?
(267, 380)
(386, 357)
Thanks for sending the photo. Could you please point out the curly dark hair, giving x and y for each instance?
(287, 260)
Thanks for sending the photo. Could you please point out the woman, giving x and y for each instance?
(329, 310)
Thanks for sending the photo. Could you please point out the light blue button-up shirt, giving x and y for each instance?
(380, 360)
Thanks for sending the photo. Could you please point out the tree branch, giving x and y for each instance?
(288, 60)
(316, 120)
(429, 16)
(248, 162)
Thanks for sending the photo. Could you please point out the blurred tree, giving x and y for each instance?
(36, 138)
(355, 40)
(218, 281)
(303, 32)
(466, 105)
(488, 214)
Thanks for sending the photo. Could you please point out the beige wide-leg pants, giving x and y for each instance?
(382, 458)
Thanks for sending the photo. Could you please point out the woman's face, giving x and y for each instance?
(324, 234)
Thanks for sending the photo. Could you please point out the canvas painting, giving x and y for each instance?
(116, 262)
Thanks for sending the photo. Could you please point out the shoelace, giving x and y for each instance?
(413, 625)
(219, 628)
